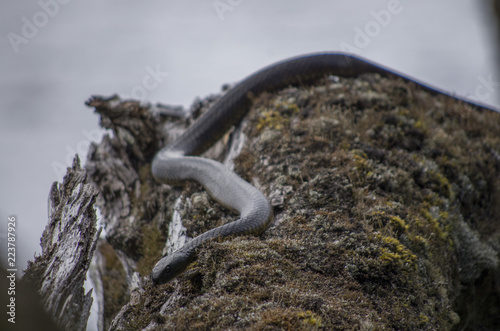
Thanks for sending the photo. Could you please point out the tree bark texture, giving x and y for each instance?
(68, 244)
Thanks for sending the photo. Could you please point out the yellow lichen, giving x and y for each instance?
(419, 240)
(273, 118)
(152, 244)
(444, 186)
(423, 319)
(395, 252)
(270, 118)
(435, 224)
(403, 111)
(419, 125)
(399, 224)
(362, 166)
(309, 318)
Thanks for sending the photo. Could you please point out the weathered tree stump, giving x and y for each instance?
(387, 215)
(68, 244)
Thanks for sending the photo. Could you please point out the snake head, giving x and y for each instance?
(169, 267)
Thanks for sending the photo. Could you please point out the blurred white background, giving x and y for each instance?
(55, 54)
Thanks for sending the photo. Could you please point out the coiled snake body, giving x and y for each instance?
(175, 163)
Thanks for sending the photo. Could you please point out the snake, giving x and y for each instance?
(179, 160)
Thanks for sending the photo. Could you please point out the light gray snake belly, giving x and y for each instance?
(176, 162)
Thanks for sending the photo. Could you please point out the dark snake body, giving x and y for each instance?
(173, 164)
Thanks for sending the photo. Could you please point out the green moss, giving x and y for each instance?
(114, 283)
(289, 319)
(436, 225)
(152, 242)
(420, 125)
(309, 318)
(363, 240)
(442, 185)
(144, 178)
(423, 319)
(361, 161)
(399, 224)
(394, 253)
(273, 118)
(420, 242)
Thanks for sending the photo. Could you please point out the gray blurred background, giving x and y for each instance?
(55, 54)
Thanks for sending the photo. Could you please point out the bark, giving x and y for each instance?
(68, 244)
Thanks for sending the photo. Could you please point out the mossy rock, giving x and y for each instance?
(389, 218)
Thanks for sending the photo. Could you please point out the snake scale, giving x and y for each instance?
(178, 162)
